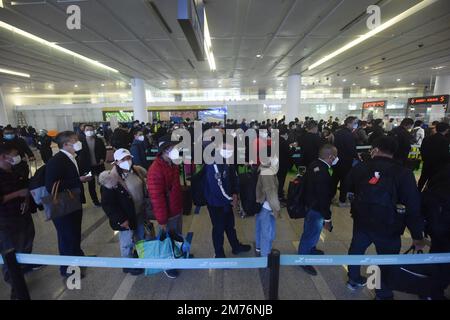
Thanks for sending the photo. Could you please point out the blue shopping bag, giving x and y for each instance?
(160, 248)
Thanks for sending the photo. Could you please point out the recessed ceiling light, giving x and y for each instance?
(438, 68)
(103, 84)
(14, 73)
(164, 83)
(76, 86)
(354, 84)
(259, 56)
(398, 80)
(413, 84)
(344, 80)
(52, 45)
(402, 16)
(192, 82)
(366, 67)
(254, 81)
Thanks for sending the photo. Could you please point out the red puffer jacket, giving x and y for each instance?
(164, 179)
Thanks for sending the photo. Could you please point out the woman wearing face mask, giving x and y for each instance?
(163, 183)
(138, 150)
(123, 191)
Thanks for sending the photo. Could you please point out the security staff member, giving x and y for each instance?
(318, 196)
(435, 151)
(63, 167)
(379, 220)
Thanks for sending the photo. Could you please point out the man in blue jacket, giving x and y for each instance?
(138, 150)
(221, 193)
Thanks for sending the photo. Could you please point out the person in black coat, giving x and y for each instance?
(121, 138)
(44, 144)
(435, 151)
(285, 162)
(404, 140)
(10, 137)
(310, 144)
(64, 167)
(318, 194)
(377, 130)
(345, 142)
(92, 159)
(378, 221)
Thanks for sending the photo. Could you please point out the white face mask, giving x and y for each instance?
(77, 146)
(140, 138)
(335, 162)
(15, 160)
(89, 133)
(226, 154)
(174, 154)
(126, 165)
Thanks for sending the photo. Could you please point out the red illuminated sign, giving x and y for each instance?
(374, 104)
(443, 99)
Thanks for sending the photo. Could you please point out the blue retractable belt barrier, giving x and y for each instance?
(232, 263)
(229, 263)
(335, 260)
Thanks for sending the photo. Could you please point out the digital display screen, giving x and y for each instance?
(375, 104)
(442, 99)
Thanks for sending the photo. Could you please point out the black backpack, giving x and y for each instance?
(296, 207)
(375, 202)
(247, 186)
(197, 187)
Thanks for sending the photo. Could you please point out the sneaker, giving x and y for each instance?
(242, 248)
(133, 271)
(309, 270)
(355, 285)
(171, 274)
(258, 250)
(317, 252)
(344, 205)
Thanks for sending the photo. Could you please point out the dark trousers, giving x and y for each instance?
(92, 190)
(18, 235)
(361, 240)
(281, 175)
(340, 173)
(222, 219)
(68, 229)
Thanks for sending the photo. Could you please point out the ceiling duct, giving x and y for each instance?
(152, 5)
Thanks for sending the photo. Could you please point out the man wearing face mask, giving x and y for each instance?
(310, 144)
(164, 188)
(345, 142)
(44, 144)
(385, 200)
(318, 195)
(138, 150)
(221, 193)
(16, 224)
(64, 167)
(92, 159)
(10, 137)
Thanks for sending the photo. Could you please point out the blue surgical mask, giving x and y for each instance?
(9, 136)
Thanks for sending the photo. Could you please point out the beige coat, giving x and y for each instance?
(267, 189)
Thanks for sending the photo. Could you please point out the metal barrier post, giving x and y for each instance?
(17, 279)
(274, 274)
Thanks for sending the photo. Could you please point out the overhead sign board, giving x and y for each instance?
(191, 22)
(442, 99)
(375, 104)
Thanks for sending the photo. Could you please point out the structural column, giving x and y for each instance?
(293, 97)
(442, 86)
(139, 100)
(3, 114)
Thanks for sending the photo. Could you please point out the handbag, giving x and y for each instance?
(160, 248)
(59, 204)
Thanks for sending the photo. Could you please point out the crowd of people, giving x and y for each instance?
(378, 185)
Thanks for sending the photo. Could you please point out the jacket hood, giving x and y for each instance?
(111, 178)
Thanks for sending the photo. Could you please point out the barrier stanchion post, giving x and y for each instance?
(274, 274)
(17, 279)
